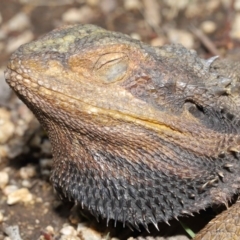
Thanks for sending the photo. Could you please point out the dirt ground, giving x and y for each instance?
(29, 209)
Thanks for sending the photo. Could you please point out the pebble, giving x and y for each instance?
(159, 41)
(26, 183)
(46, 147)
(81, 226)
(9, 189)
(151, 13)
(12, 232)
(20, 195)
(4, 178)
(2, 46)
(45, 163)
(90, 234)
(177, 237)
(181, 36)
(50, 230)
(135, 36)
(87, 233)
(132, 5)
(208, 27)
(237, 5)
(27, 172)
(38, 200)
(6, 126)
(72, 238)
(37, 3)
(3, 36)
(15, 42)
(194, 9)
(68, 230)
(235, 31)
(108, 6)
(180, 4)
(212, 5)
(17, 23)
(5, 90)
(78, 15)
(4, 150)
(92, 3)
(1, 217)
(45, 167)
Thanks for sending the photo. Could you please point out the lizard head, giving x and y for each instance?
(139, 134)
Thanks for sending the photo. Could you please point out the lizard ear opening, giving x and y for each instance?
(111, 67)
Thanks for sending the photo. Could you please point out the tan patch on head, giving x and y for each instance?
(80, 65)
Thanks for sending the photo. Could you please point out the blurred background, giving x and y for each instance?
(211, 27)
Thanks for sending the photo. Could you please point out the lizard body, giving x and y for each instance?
(139, 134)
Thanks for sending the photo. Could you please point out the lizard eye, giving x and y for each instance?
(111, 67)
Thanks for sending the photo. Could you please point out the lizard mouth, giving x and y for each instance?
(167, 126)
(134, 110)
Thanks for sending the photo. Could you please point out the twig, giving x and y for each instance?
(206, 41)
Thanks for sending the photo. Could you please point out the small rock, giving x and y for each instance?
(151, 13)
(4, 178)
(46, 163)
(6, 126)
(81, 226)
(38, 200)
(26, 183)
(235, 32)
(193, 10)
(78, 15)
(46, 147)
(90, 234)
(108, 6)
(180, 4)
(27, 172)
(18, 23)
(37, 3)
(181, 36)
(132, 5)
(20, 195)
(2, 46)
(64, 237)
(12, 232)
(45, 167)
(15, 42)
(237, 5)
(50, 230)
(1, 217)
(92, 3)
(87, 233)
(4, 151)
(3, 35)
(136, 36)
(68, 230)
(9, 189)
(159, 41)
(5, 91)
(208, 27)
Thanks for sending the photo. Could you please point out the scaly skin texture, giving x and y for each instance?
(139, 134)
